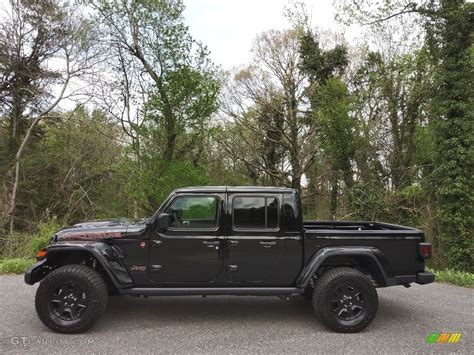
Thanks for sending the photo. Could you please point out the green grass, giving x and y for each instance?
(15, 266)
(459, 278)
(25, 246)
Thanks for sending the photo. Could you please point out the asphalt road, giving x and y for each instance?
(229, 324)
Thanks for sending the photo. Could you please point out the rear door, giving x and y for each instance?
(189, 251)
(257, 252)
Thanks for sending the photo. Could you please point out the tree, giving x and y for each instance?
(448, 31)
(329, 99)
(266, 103)
(35, 35)
(152, 53)
(254, 140)
(450, 36)
(74, 174)
(393, 93)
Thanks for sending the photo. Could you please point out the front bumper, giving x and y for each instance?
(35, 272)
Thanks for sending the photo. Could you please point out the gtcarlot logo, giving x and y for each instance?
(443, 338)
(33, 340)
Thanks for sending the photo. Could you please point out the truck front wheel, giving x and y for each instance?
(345, 300)
(71, 298)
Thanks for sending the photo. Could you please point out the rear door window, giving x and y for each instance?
(255, 212)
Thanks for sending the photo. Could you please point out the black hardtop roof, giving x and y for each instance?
(258, 189)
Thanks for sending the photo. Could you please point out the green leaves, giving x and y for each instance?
(190, 93)
(178, 89)
(454, 132)
(72, 170)
(319, 64)
(150, 182)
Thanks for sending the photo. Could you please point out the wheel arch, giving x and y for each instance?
(100, 256)
(368, 258)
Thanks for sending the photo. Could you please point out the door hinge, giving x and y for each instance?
(155, 268)
(231, 268)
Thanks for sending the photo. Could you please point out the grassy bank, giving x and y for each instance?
(18, 250)
(459, 278)
(15, 266)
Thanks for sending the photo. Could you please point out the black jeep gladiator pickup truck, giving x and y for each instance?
(227, 241)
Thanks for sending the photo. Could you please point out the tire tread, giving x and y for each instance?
(323, 311)
(98, 302)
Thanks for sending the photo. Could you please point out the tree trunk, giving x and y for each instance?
(12, 177)
(10, 186)
(170, 138)
(334, 193)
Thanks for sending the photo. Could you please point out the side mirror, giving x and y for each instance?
(163, 221)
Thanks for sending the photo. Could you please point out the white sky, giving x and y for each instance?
(228, 27)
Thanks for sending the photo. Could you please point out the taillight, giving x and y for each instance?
(424, 250)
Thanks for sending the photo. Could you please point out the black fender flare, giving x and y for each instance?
(109, 258)
(321, 255)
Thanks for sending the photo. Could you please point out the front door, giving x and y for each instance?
(258, 252)
(190, 250)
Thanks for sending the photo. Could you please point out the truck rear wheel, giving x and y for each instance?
(71, 298)
(345, 300)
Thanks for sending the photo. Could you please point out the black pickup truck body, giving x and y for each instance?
(234, 240)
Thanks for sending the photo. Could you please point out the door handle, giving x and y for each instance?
(155, 268)
(267, 244)
(156, 243)
(233, 243)
(231, 268)
(211, 244)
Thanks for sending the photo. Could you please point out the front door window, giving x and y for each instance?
(194, 212)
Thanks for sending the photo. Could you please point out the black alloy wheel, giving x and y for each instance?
(68, 301)
(71, 298)
(348, 302)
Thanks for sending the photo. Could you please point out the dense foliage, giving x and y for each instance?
(378, 131)
(453, 27)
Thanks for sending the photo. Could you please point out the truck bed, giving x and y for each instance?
(354, 227)
(398, 244)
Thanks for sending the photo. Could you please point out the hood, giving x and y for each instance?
(96, 230)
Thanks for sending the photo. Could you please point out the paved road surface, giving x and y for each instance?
(229, 324)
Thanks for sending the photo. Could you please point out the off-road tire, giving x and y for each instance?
(93, 291)
(328, 301)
